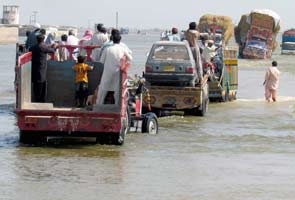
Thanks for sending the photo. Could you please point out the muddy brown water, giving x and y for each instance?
(240, 150)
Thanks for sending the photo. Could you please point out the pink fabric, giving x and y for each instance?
(270, 94)
(272, 77)
(87, 36)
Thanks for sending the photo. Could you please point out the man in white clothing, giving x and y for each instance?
(72, 39)
(98, 39)
(271, 82)
(110, 80)
(209, 51)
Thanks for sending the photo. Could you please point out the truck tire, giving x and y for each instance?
(150, 124)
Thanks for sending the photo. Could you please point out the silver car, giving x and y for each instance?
(170, 64)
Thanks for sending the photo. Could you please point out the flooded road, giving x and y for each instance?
(240, 150)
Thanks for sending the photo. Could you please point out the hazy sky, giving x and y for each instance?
(144, 14)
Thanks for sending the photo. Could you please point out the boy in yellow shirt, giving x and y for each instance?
(81, 69)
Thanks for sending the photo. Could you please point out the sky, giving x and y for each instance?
(144, 14)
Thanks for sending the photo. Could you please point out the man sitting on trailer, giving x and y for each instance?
(39, 68)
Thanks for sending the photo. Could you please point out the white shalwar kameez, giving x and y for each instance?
(110, 80)
(98, 39)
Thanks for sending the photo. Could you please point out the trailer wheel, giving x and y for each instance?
(225, 97)
(235, 96)
(150, 124)
(204, 106)
(27, 137)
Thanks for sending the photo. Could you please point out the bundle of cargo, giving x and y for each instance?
(288, 42)
(217, 24)
(256, 34)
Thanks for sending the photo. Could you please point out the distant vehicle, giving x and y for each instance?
(170, 73)
(288, 42)
(255, 49)
(124, 30)
(256, 34)
(170, 64)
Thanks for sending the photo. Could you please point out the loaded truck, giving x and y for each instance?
(58, 116)
(256, 34)
(223, 82)
(288, 42)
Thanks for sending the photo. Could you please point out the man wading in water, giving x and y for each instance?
(271, 82)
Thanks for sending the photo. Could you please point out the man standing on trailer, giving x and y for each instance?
(32, 37)
(39, 68)
(192, 36)
(110, 80)
(99, 39)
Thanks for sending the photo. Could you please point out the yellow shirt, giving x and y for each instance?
(81, 72)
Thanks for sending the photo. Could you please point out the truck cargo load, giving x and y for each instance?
(215, 23)
(288, 42)
(256, 34)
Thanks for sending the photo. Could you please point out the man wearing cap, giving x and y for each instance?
(174, 36)
(209, 51)
(39, 68)
(32, 38)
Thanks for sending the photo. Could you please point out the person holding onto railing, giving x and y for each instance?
(84, 41)
(108, 90)
(39, 68)
(110, 43)
(98, 39)
(63, 53)
(32, 37)
(81, 69)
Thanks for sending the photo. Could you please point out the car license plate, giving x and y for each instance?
(169, 68)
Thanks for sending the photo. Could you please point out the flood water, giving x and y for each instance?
(240, 150)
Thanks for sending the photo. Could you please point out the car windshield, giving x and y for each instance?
(169, 52)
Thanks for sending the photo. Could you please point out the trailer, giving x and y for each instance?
(223, 79)
(58, 116)
(225, 86)
(168, 99)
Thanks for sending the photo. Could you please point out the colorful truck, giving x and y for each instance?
(223, 82)
(256, 34)
(288, 42)
(225, 87)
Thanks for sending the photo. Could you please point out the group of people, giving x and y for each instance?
(203, 52)
(110, 52)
